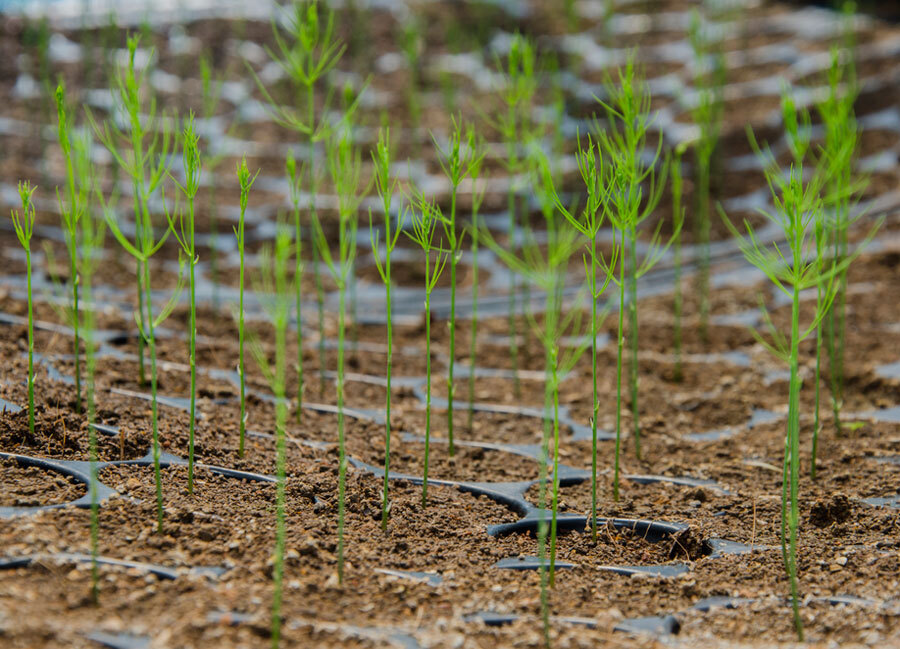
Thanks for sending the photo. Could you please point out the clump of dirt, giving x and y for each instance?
(835, 509)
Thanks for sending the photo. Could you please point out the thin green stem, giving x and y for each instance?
(90, 371)
(214, 241)
(474, 326)
(595, 403)
(151, 345)
(92, 442)
(31, 376)
(836, 321)
(193, 360)
(390, 362)
(354, 313)
(542, 529)
(342, 458)
(241, 366)
(73, 269)
(280, 449)
(633, 324)
(139, 271)
(427, 380)
(816, 423)
(785, 485)
(555, 499)
(794, 436)
(317, 272)
(298, 277)
(513, 226)
(382, 159)
(71, 224)
(830, 341)
(452, 324)
(320, 313)
(842, 317)
(620, 344)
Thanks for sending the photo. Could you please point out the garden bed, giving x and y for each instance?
(690, 552)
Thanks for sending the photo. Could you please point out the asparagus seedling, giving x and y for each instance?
(89, 238)
(92, 236)
(547, 271)
(294, 181)
(798, 209)
(426, 215)
(598, 269)
(797, 133)
(183, 231)
(478, 191)
(71, 213)
(275, 296)
(23, 223)
(311, 54)
(246, 181)
(841, 135)
(143, 160)
(346, 130)
(387, 188)
(344, 165)
(517, 95)
(147, 166)
(457, 163)
(142, 250)
(627, 207)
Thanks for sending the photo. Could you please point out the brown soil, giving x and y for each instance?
(219, 539)
(33, 487)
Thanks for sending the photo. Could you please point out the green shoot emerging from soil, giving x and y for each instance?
(71, 213)
(23, 223)
(520, 86)
(797, 132)
(345, 165)
(89, 238)
(142, 250)
(93, 231)
(307, 53)
(294, 187)
(274, 293)
(246, 181)
(599, 271)
(547, 271)
(478, 191)
(146, 164)
(841, 137)
(425, 217)
(138, 164)
(458, 161)
(627, 207)
(387, 188)
(799, 211)
(182, 228)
